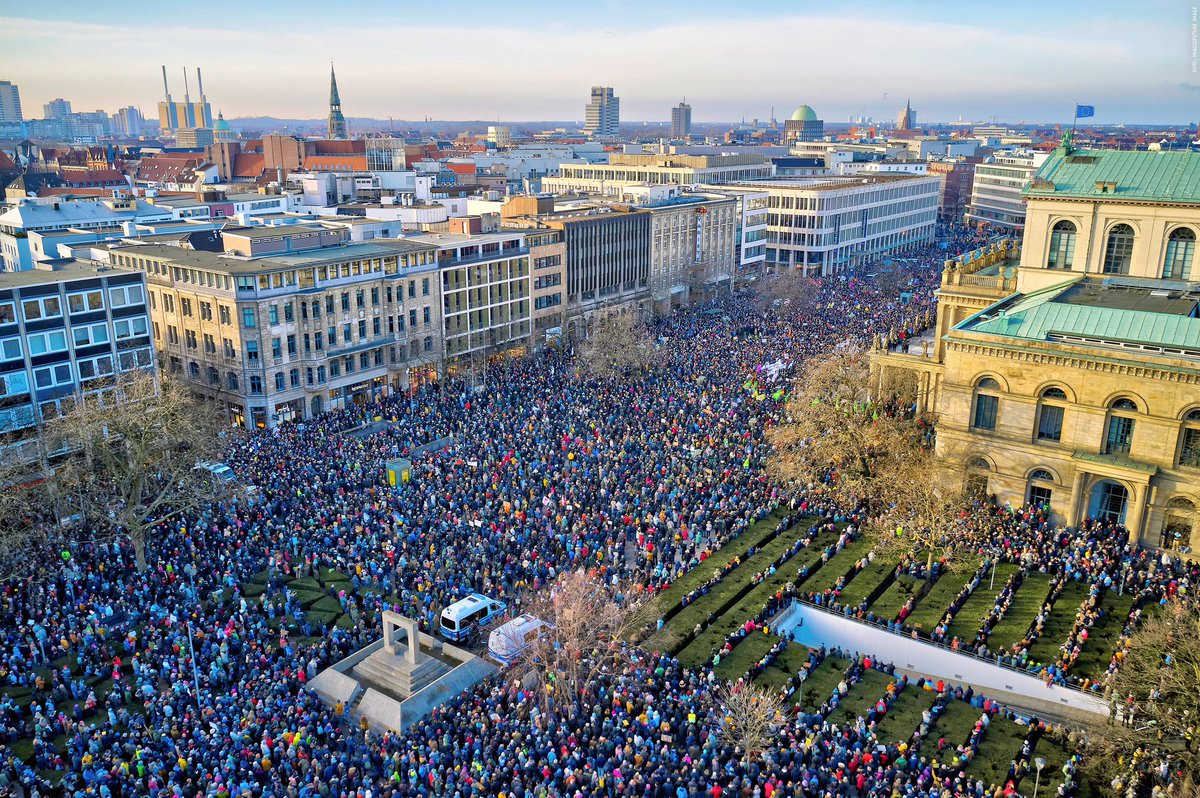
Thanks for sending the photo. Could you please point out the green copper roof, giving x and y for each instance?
(1054, 311)
(804, 113)
(1172, 176)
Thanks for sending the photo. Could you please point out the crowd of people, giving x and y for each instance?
(173, 682)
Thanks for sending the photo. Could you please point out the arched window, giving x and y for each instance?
(1051, 407)
(194, 370)
(976, 485)
(987, 403)
(1118, 253)
(1041, 488)
(1178, 522)
(1181, 248)
(1189, 440)
(1121, 417)
(231, 379)
(1062, 246)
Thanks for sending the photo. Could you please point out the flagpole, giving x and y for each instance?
(1074, 119)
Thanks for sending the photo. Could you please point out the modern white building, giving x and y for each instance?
(824, 225)
(31, 214)
(65, 326)
(622, 171)
(10, 103)
(996, 193)
(752, 228)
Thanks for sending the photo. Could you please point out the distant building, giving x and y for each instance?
(622, 171)
(500, 136)
(128, 121)
(222, 130)
(602, 116)
(336, 125)
(996, 192)
(957, 176)
(187, 114)
(824, 225)
(803, 126)
(10, 103)
(56, 109)
(192, 137)
(908, 118)
(66, 328)
(28, 215)
(681, 121)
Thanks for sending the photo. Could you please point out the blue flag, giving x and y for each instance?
(1084, 110)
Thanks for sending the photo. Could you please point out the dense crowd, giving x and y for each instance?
(172, 681)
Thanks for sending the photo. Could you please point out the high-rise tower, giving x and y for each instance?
(602, 116)
(337, 122)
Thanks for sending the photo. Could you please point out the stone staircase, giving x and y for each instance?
(389, 672)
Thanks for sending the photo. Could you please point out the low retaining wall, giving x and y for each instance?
(814, 627)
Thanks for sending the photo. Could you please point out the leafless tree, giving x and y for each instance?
(591, 622)
(1156, 706)
(750, 717)
(620, 344)
(26, 512)
(789, 293)
(129, 455)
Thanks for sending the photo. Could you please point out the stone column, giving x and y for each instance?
(1074, 513)
(1134, 513)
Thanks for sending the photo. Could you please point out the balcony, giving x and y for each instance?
(991, 269)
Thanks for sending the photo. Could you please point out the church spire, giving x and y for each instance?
(337, 122)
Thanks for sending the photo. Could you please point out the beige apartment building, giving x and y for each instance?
(1066, 372)
(279, 324)
(624, 170)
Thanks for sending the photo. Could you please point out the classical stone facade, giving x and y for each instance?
(1067, 371)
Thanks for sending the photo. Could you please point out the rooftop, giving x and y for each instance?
(236, 264)
(1122, 174)
(58, 270)
(1110, 311)
(833, 182)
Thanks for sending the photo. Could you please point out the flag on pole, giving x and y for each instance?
(1082, 111)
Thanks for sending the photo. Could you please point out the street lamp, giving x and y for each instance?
(1037, 781)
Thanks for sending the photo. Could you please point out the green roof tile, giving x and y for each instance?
(1167, 176)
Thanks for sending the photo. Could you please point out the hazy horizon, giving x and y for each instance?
(536, 60)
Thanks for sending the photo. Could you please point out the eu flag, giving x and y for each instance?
(1082, 111)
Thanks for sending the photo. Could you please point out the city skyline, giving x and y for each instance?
(854, 63)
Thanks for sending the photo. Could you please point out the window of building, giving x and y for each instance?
(346, 301)
(212, 375)
(273, 314)
(294, 377)
(223, 312)
(206, 311)
(1189, 440)
(1121, 419)
(85, 301)
(255, 384)
(88, 334)
(125, 295)
(189, 338)
(47, 342)
(185, 306)
(375, 295)
(52, 376)
(89, 368)
(1181, 249)
(248, 317)
(210, 344)
(276, 348)
(289, 313)
(362, 329)
(291, 345)
(231, 379)
(252, 351)
(10, 349)
(8, 312)
(194, 370)
(130, 328)
(280, 383)
(1041, 484)
(424, 286)
(1118, 251)
(1050, 414)
(427, 316)
(976, 484)
(1062, 246)
(987, 404)
(47, 307)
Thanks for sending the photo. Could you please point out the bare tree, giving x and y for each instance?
(621, 344)
(789, 293)
(750, 717)
(129, 455)
(26, 512)
(1156, 706)
(591, 620)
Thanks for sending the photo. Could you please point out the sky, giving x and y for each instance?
(1024, 60)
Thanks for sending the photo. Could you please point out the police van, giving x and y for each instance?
(509, 640)
(467, 614)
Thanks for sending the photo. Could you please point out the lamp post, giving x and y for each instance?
(1037, 781)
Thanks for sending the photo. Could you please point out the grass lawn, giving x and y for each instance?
(1101, 644)
(837, 565)
(780, 672)
(1052, 774)
(755, 535)
(700, 649)
(1060, 622)
(904, 716)
(868, 579)
(745, 654)
(888, 606)
(1026, 602)
(697, 612)
(821, 683)
(969, 617)
(1001, 745)
(862, 697)
(955, 724)
(930, 609)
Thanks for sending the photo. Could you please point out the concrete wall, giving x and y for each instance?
(815, 627)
